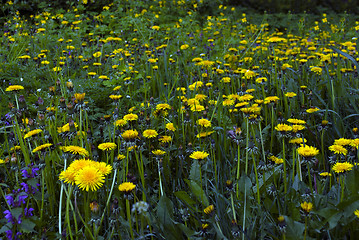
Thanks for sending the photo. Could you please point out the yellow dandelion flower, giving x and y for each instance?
(283, 128)
(296, 121)
(107, 146)
(14, 88)
(209, 209)
(126, 187)
(356, 212)
(121, 157)
(120, 122)
(42, 147)
(150, 133)
(338, 149)
(307, 206)
(307, 151)
(32, 133)
(68, 176)
(204, 122)
(76, 150)
(130, 117)
(89, 178)
(129, 134)
(325, 174)
(312, 110)
(158, 152)
(103, 168)
(199, 155)
(204, 134)
(170, 127)
(165, 139)
(342, 167)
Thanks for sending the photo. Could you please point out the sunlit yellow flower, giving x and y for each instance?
(68, 176)
(342, 167)
(108, 146)
(120, 122)
(209, 209)
(325, 174)
(165, 139)
(170, 127)
(42, 147)
(312, 110)
(307, 151)
(199, 155)
(356, 212)
(307, 206)
(295, 121)
(76, 150)
(97, 54)
(150, 133)
(204, 122)
(121, 157)
(283, 128)
(115, 97)
(338, 149)
(129, 134)
(130, 117)
(14, 88)
(32, 133)
(103, 168)
(126, 187)
(89, 178)
(158, 152)
(342, 142)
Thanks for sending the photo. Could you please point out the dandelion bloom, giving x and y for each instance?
(150, 133)
(79, 96)
(209, 209)
(199, 155)
(312, 110)
(165, 139)
(290, 94)
(276, 160)
(103, 168)
(296, 121)
(126, 187)
(42, 147)
(32, 133)
(204, 134)
(115, 97)
(342, 142)
(107, 146)
(307, 206)
(307, 151)
(325, 174)
(130, 117)
(121, 157)
(296, 128)
(158, 152)
(170, 127)
(356, 212)
(129, 134)
(120, 122)
(204, 122)
(342, 167)
(163, 106)
(89, 178)
(68, 176)
(76, 150)
(338, 149)
(283, 128)
(14, 88)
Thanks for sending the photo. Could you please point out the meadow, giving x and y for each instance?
(155, 120)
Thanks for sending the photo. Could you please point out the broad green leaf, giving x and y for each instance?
(198, 192)
(294, 228)
(182, 195)
(195, 174)
(27, 225)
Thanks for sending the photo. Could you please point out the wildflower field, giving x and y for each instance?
(156, 120)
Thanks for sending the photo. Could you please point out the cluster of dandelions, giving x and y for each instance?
(86, 174)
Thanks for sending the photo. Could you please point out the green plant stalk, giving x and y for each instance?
(299, 168)
(342, 188)
(322, 145)
(238, 169)
(233, 210)
(67, 217)
(310, 179)
(159, 177)
(107, 202)
(244, 211)
(284, 167)
(247, 145)
(305, 228)
(60, 201)
(128, 210)
(257, 182)
(293, 164)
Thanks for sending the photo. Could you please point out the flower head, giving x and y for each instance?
(204, 122)
(42, 147)
(126, 187)
(14, 88)
(130, 134)
(199, 155)
(307, 151)
(307, 206)
(107, 146)
(150, 133)
(342, 167)
(89, 178)
(338, 149)
(32, 133)
(76, 150)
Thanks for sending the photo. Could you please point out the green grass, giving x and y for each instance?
(233, 69)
